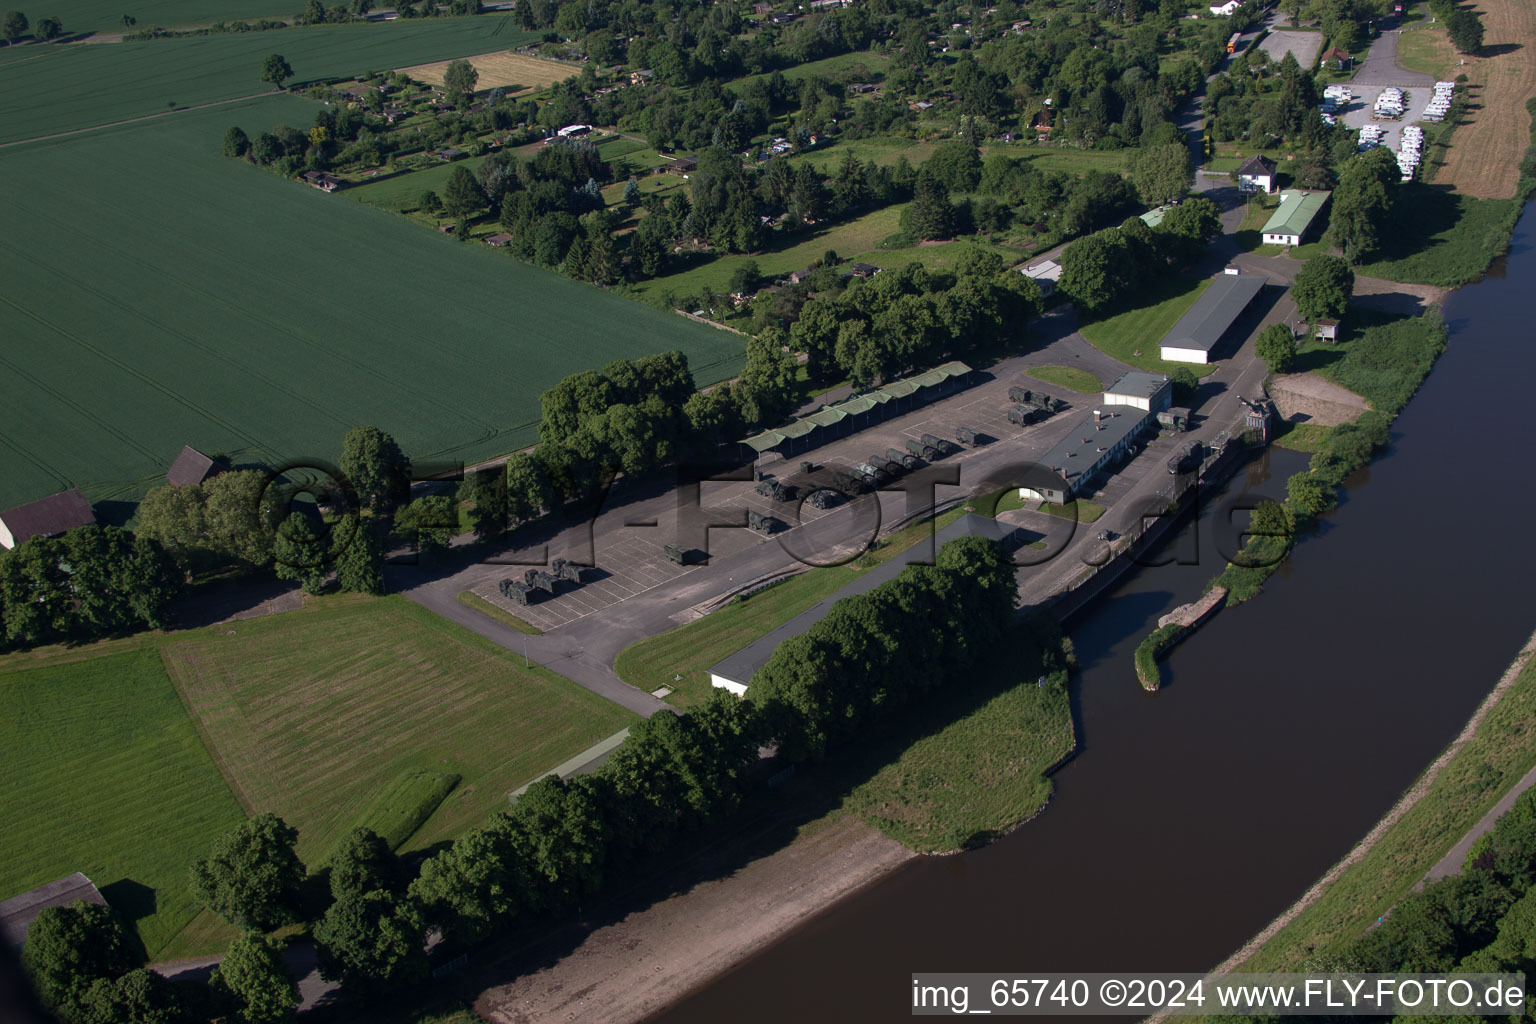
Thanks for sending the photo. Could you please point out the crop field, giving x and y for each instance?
(78, 86)
(104, 773)
(184, 298)
(1484, 158)
(315, 714)
(511, 71)
(107, 15)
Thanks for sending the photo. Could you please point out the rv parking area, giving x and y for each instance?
(1360, 111)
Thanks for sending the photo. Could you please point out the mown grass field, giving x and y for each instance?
(104, 773)
(78, 86)
(1069, 377)
(1132, 335)
(313, 714)
(690, 650)
(158, 294)
(1497, 756)
(504, 69)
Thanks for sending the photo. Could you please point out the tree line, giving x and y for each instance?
(1101, 269)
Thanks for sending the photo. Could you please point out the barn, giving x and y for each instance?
(18, 913)
(45, 517)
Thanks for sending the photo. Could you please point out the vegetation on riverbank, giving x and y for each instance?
(1470, 783)
(1151, 650)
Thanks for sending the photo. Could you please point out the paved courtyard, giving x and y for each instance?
(1304, 45)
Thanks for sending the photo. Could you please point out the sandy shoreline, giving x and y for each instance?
(655, 956)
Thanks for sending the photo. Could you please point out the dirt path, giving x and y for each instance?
(131, 120)
(653, 957)
(1402, 807)
(1318, 399)
(1485, 151)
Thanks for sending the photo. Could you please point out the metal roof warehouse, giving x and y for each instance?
(1199, 330)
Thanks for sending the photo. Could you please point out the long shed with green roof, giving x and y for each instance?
(1293, 221)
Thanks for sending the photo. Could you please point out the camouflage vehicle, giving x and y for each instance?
(1020, 396)
(924, 451)
(849, 482)
(871, 474)
(515, 591)
(560, 569)
(940, 445)
(823, 499)
(807, 467)
(965, 435)
(907, 460)
(679, 554)
(762, 523)
(1023, 415)
(892, 468)
(777, 491)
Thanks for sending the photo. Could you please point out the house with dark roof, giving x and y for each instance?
(322, 181)
(1257, 175)
(1199, 331)
(46, 517)
(18, 913)
(735, 672)
(863, 269)
(191, 467)
(684, 165)
(498, 240)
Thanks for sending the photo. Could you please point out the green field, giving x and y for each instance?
(1071, 378)
(1444, 237)
(1132, 336)
(314, 714)
(690, 650)
(402, 192)
(77, 86)
(107, 15)
(104, 773)
(158, 294)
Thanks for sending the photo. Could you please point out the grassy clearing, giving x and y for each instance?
(104, 773)
(1426, 49)
(157, 306)
(861, 66)
(1497, 756)
(963, 783)
(1301, 437)
(1081, 381)
(315, 714)
(402, 192)
(1385, 358)
(690, 650)
(506, 618)
(1082, 510)
(505, 69)
(403, 806)
(1256, 213)
(1449, 240)
(1132, 335)
(65, 89)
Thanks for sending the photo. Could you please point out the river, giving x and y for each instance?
(1285, 729)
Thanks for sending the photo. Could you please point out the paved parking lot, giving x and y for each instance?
(1303, 44)
(626, 545)
(1359, 111)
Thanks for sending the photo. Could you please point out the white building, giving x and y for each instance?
(1227, 9)
(1047, 275)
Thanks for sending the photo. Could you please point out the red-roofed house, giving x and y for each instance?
(45, 517)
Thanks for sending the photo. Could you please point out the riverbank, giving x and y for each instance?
(1491, 754)
(653, 956)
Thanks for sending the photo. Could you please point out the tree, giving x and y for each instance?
(236, 142)
(13, 26)
(276, 70)
(359, 554)
(49, 29)
(429, 522)
(745, 279)
(1188, 228)
(1466, 30)
(313, 13)
(1362, 204)
(1162, 174)
(362, 862)
(1277, 348)
(139, 997)
(930, 215)
(528, 489)
(1323, 288)
(1098, 268)
(252, 878)
(371, 943)
(460, 80)
(374, 465)
(631, 193)
(300, 552)
(253, 984)
(70, 948)
(1185, 385)
(462, 196)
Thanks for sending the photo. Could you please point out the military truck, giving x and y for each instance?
(940, 445)
(965, 435)
(560, 569)
(873, 475)
(776, 490)
(1023, 415)
(823, 498)
(1020, 396)
(925, 451)
(762, 523)
(515, 591)
(907, 460)
(679, 554)
(849, 481)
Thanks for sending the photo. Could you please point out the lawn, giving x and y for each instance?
(401, 192)
(1446, 238)
(314, 714)
(1498, 755)
(1081, 381)
(964, 782)
(1082, 510)
(1426, 49)
(860, 66)
(1256, 214)
(184, 298)
(79, 86)
(690, 650)
(104, 773)
(1301, 437)
(1132, 335)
